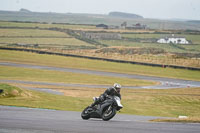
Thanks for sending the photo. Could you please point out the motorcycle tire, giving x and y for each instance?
(107, 115)
(85, 115)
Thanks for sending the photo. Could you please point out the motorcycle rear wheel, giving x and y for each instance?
(109, 114)
(85, 115)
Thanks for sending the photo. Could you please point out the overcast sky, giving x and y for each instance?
(164, 9)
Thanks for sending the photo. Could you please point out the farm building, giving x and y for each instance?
(136, 26)
(173, 39)
(102, 26)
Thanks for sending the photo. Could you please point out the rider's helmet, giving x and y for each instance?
(117, 87)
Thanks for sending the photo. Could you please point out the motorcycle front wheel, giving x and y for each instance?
(85, 114)
(108, 114)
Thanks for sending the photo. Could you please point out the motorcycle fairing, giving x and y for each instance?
(100, 108)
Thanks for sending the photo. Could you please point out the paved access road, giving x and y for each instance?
(29, 120)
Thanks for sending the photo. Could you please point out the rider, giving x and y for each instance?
(112, 91)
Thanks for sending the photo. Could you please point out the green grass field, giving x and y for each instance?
(45, 42)
(33, 25)
(41, 38)
(31, 33)
(143, 35)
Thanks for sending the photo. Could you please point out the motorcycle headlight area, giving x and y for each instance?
(118, 101)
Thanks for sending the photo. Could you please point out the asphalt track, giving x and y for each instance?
(29, 120)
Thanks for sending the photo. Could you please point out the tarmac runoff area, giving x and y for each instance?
(165, 83)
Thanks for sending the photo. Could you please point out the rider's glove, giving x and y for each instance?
(107, 96)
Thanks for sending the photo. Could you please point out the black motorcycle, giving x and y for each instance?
(105, 110)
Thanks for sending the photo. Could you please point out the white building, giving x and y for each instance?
(173, 39)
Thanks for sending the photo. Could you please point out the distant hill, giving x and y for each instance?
(24, 10)
(194, 21)
(94, 19)
(124, 15)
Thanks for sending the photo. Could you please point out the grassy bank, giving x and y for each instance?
(7, 91)
(59, 61)
(36, 99)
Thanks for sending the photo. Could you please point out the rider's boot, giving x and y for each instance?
(96, 101)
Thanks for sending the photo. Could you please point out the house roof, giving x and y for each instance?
(101, 25)
(171, 36)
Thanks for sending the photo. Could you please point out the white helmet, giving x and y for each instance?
(117, 86)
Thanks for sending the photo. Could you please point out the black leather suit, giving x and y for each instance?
(109, 92)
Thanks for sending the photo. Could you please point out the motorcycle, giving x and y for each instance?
(105, 110)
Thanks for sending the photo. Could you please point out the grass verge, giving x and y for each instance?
(35, 99)
(186, 120)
